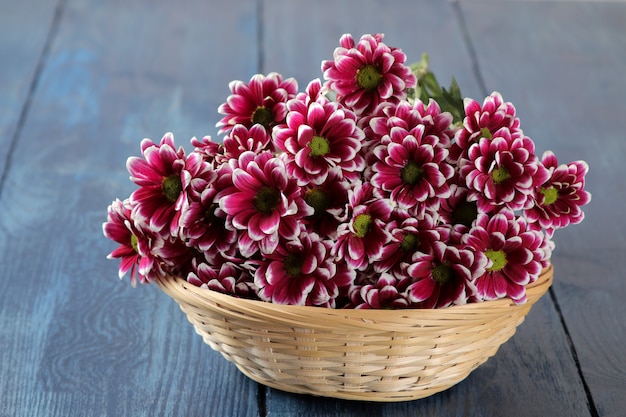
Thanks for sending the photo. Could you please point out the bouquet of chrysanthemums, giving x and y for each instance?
(376, 188)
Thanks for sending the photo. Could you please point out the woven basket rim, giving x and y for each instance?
(372, 355)
(313, 316)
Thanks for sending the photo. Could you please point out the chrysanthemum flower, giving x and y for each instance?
(515, 253)
(302, 272)
(547, 245)
(314, 92)
(241, 139)
(385, 293)
(328, 201)
(207, 148)
(457, 213)
(224, 277)
(263, 204)
(559, 200)
(361, 239)
(134, 251)
(413, 169)
(163, 175)
(502, 171)
(318, 137)
(409, 117)
(367, 73)
(444, 277)
(260, 101)
(486, 120)
(408, 235)
(203, 223)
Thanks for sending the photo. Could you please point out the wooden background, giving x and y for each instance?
(83, 81)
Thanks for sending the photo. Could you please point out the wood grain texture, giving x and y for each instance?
(563, 65)
(24, 29)
(73, 339)
(298, 35)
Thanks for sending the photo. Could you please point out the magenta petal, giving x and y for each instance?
(269, 223)
(422, 290)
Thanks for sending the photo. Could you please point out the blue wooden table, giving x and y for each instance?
(83, 81)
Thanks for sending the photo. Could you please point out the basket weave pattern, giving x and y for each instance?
(373, 355)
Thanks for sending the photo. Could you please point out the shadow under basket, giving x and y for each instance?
(370, 355)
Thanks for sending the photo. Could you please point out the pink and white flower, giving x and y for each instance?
(385, 293)
(408, 236)
(502, 171)
(457, 213)
(366, 73)
(412, 169)
(203, 223)
(164, 175)
(428, 118)
(134, 249)
(224, 277)
(260, 101)
(349, 194)
(263, 204)
(361, 239)
(317, 137)
(486, 119)
(328, 201)
(160, 174)
(302, 271)
(558, 201)
(444, 277)
(208, 149)
(515, 253)
(241, 139)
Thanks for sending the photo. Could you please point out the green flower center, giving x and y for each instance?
(134, 243)
(317, 199)
(443, 273)
(319, 146)
(172, 187)
(498, 258)
(411, 173)
(550, 195)
(409, 242)
(486, 133)
(293, 265)
(465, 213)
(266, 199)
(369, 77)
(362, 224)
(500, 175)
(263, 116)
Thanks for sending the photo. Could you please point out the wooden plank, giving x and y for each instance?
(534, 373)
(298, 36)
(73, 339)
(24, 27)
(563, 65)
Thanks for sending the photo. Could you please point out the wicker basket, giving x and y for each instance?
(372, 355)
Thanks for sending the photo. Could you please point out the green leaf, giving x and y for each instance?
(450, 100)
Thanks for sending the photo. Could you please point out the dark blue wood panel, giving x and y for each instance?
(24, 30)
(563, 64)
(300, 34)
(73, 338)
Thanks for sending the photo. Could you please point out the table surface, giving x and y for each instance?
(83, 81)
